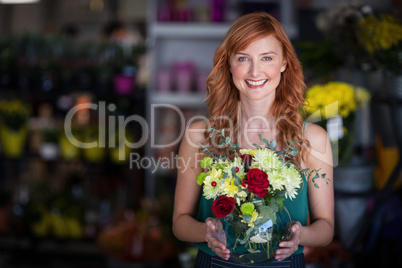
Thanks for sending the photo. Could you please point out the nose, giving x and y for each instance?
(255, 68)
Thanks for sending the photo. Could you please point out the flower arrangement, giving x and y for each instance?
(382, 39)
(248, 193)
(335, 104)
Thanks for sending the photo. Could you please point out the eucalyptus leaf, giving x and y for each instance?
(293, 148)
(237, 181)
(267, 213)
(257, 146)
(279, 153)
(273, 145)
(229, 218)
(247, 218)
(292, 142)
(315, 177)
(304, 170)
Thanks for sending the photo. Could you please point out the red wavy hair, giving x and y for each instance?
(223, 97)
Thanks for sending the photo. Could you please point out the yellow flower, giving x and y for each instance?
(254, 216)
(212, 183)
(228, 188)
(251, 152)
(329, 100)
(266, 159)
(378, 34)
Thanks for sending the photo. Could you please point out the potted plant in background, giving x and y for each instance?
(49, 149)
(335, 103)
(14, 116)
(127, 59)
(68, 150)
(340, 27)
(381, 38)
(96, 153)
(119, 150)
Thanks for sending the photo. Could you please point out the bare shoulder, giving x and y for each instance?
(195, 133)
(319, 153)
(316, 135)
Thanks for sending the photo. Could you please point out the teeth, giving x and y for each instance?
(256, 83)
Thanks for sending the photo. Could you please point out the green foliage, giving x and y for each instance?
(201, 177)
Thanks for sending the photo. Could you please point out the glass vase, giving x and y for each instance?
(258, 244)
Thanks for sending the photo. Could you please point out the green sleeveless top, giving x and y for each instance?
(298, 210)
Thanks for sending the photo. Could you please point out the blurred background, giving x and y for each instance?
(109, 71)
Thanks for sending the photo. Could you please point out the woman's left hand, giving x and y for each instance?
(287, 248)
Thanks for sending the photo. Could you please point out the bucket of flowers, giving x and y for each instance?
(249, 192)
(14, 116)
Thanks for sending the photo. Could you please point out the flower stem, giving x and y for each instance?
(235, 244)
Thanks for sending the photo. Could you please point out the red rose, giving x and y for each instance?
(246, 158)
(223, 206)
(256, 182)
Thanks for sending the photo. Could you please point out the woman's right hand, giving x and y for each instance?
(216, 238)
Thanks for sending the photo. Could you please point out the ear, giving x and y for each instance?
(284, 65)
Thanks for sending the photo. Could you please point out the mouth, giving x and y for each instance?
(256, 83)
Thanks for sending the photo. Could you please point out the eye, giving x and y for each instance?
(267, 58)
(242, 59)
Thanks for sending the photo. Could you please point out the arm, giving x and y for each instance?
(321, 201)
(187, 194)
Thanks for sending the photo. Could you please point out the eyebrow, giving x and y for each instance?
(262, 54)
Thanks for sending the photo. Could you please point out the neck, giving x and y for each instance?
(256, 118)
(256, 114)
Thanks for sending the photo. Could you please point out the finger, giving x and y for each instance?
(219, 245)
(224, 255)
(295, 228)
(287, 244)
(282, 254)
(210, 224)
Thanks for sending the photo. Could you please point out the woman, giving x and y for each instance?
(256, 87)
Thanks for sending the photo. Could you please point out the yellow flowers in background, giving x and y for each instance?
(14, 116)
(319, 100)
(13, 113)
(380, 33)
(382, 39)
(333, 106)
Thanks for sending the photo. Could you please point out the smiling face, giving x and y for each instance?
(256, 70)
